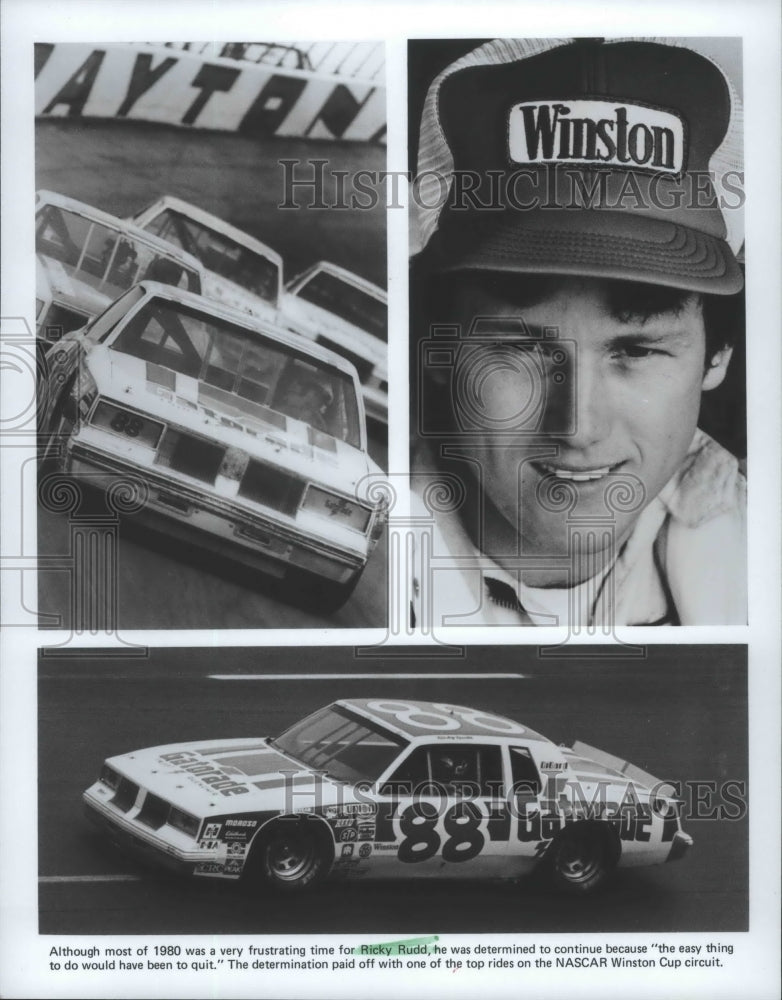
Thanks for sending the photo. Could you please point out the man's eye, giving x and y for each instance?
(636, 351)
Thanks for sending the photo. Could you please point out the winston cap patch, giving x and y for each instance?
(606, 133)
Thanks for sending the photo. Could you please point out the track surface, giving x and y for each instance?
(121, 167)
(680, 714)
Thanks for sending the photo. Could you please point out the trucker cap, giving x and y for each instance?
(607, 158)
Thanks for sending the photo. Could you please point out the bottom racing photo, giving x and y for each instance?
(498, 789)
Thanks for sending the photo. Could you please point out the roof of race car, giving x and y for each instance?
(212, 222)
(349, 277)
(249, 321)
(415, 719)
(44, 197)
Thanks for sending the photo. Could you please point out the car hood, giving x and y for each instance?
(189, 404)
(65, 286)
(210, 777)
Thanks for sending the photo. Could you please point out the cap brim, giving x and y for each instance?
(591, 243)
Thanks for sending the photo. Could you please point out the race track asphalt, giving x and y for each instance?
(121, 167)
(679, 713)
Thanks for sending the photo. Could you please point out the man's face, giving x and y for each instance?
(619, 406)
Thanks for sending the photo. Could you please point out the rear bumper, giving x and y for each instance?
(682, 842)
(217, 523)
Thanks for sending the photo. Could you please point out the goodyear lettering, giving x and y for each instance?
(596, 132)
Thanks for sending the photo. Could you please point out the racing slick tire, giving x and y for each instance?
(581, 858)
(292, 855)
(61, 423)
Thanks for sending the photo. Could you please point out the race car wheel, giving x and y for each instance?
(292, 856)
(581, 859)
(61, 423)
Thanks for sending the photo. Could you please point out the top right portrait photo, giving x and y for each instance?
(577, 333)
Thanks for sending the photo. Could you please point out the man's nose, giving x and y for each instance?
(577, 405)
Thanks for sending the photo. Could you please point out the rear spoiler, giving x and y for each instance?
(630, 771)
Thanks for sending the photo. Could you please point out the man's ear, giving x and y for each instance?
(718, 368)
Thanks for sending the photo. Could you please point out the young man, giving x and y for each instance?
(574, 295)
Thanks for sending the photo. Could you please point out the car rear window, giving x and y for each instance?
(110, 260)
(350, 303)
(219, 253)
(243, 370)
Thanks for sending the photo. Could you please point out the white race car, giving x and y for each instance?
(85, 258)
(387, 788)
(349, 315)
(241, 271)
(232, 434)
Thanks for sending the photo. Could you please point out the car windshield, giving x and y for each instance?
(243, 371)
(110, 260)
(219, 253)
(346, 746)
(347, 301)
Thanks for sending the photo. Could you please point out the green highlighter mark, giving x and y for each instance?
(410, 946)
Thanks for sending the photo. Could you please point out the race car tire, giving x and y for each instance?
(292, 855)
(581, 858)
(61, 423)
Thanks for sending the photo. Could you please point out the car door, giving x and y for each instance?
(443, 811)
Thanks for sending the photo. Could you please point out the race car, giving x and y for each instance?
(241, 271)
(349, 315)
(231, 433)
(85, 258)
(386, 788)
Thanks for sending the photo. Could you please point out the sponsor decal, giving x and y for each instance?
(212, 831)
(552, 765)
(365, 850)
(596, 132)
(209, 845)
(347, 850)
(206, 773)
(233, 866)
(208, 868)
(237, 848)
(249, 823)
(385, 847)
(366, 831)
(348, 835)
(342, 823)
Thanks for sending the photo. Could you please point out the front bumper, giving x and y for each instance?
(133, 838)
(218, 523)
(681, 844)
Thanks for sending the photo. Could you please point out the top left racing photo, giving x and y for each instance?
(211, 335)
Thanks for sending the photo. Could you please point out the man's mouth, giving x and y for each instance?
(575, 475)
